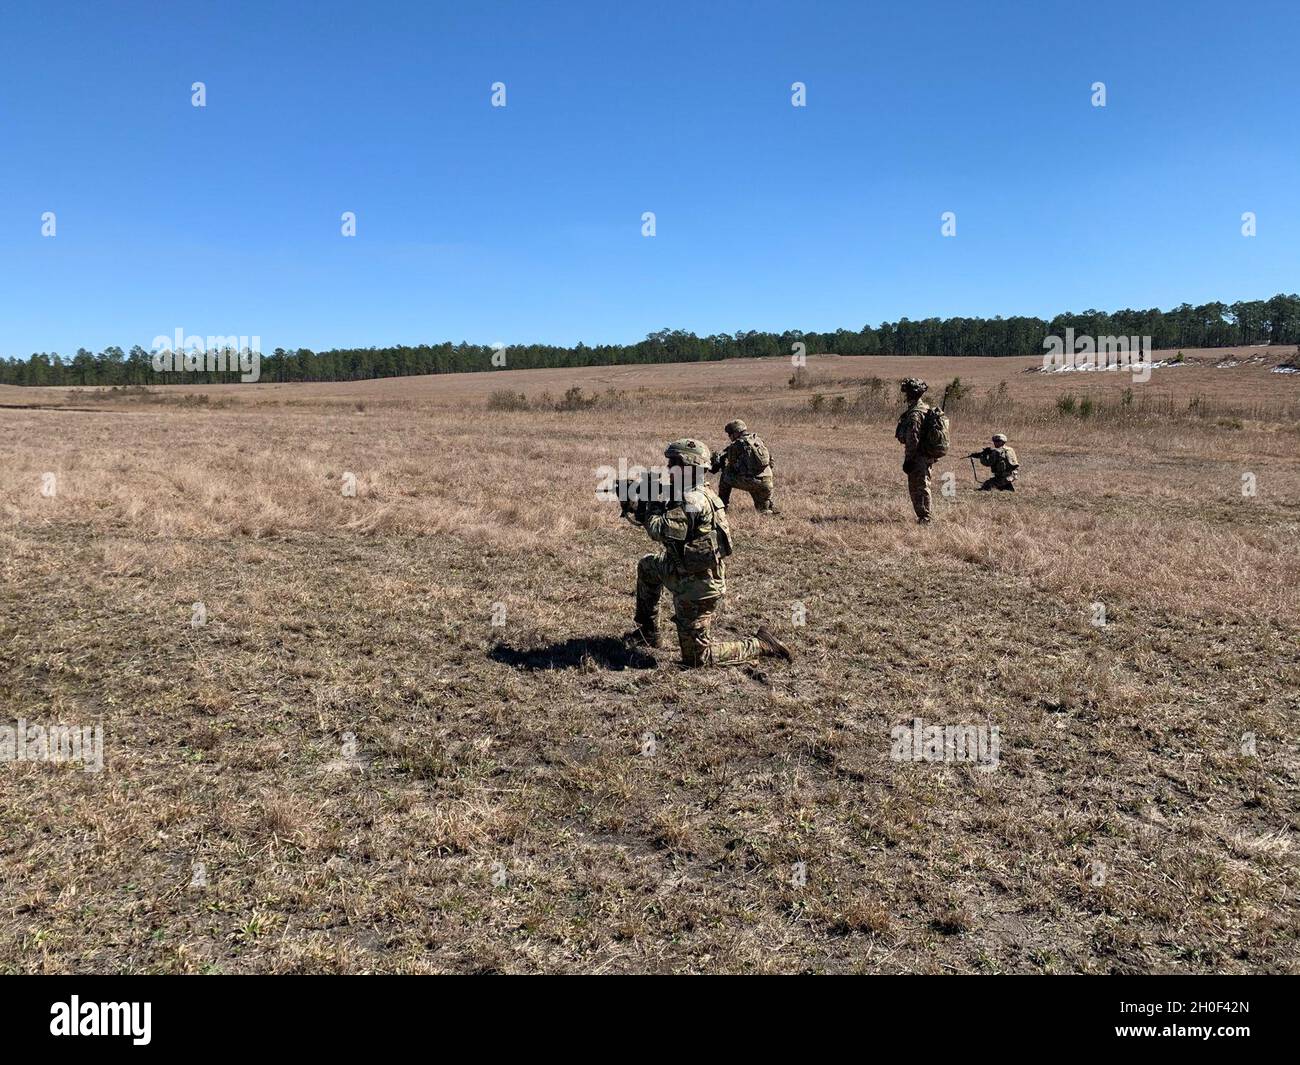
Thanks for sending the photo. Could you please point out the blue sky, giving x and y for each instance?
(523, 223)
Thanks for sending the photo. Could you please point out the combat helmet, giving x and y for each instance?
(691, 452)
(913, 386)
(999, 438)
(735, 427)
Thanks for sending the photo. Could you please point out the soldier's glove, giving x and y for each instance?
(715, 462)
(647, 507)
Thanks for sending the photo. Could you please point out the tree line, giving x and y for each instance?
(1212, 325)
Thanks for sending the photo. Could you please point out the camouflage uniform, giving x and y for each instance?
(915, 463)
(730, 459)
(1004, 464)
(685, 521)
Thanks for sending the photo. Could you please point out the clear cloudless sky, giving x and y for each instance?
(523, 223)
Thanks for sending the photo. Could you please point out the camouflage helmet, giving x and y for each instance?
(735, 427)
(999, 438)
(691, 452)
(914, 386)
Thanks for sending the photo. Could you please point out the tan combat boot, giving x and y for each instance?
(773, 647)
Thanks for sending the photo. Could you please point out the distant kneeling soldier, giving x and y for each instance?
(692, 526)
(746, 464)
(1002, 461)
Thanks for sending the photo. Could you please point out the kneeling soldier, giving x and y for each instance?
(746, 464)
(1002, 461)
(692, 526)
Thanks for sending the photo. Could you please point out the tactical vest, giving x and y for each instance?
(701, 551)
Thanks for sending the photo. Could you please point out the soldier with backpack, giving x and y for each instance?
(691, 524)
(923, 432)
(746, 464)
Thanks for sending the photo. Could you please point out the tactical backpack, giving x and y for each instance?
(752, 456)
(934, 433)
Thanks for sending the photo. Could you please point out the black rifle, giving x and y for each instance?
(973, 456)
(634, 499)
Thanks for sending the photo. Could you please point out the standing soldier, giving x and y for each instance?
(1002, 461)
(746, 464)
(692, 526)
(916, 463)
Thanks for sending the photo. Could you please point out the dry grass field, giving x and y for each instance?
(401, 735)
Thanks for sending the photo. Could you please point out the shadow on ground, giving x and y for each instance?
(602, 652)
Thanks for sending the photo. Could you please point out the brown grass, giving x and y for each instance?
(494, 811)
